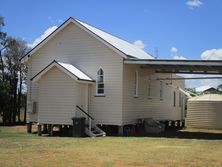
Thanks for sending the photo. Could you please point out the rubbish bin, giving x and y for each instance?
(78, 129)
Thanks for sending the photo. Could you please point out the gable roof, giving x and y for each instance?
(122, 47)
(202, 88)
(69, 69)
(129, 49)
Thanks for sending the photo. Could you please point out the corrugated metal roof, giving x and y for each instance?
(79, 74)
(203, 88)
(124, 46)
(207, 97)
(179, 66)
(126, 49)
(69, 69)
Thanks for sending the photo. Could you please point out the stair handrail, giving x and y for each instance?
(85, 112)
(89, 117)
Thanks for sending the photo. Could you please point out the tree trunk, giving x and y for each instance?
(4, 117)
(19, 96)
(25, 109)
(14, 99)
(2, 67)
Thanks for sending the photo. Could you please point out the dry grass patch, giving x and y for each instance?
(17, 148)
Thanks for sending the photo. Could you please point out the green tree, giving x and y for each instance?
(219, 87)
(4, 88)
(3, 44)
(12, 76)
(192, 91)
(16, 72)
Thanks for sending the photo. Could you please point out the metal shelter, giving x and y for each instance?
(180, 66)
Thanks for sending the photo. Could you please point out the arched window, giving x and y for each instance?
(136, 84)
(100, 82)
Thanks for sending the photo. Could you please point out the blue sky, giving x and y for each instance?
(178, 28)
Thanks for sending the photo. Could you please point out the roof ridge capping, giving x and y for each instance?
(124, 48)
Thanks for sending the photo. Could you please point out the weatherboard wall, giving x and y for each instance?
(149, 105)
(32, 96)
(74, 46)
(58, 94)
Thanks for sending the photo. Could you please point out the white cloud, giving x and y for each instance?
(139, 44)
(194, 3)
(179, 57)
(190, 83)
(195, 83)
(206, 55)
(42, 37)
(211, 82)
(174, 51)
(213, 54)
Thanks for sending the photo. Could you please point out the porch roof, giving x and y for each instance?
(180, 66)
(68, 69)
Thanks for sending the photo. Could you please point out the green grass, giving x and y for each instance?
(17, 148)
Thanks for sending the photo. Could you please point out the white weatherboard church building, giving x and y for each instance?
(80, 65)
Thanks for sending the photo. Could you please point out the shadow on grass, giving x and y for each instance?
(177, 134)
(181, 134)
(169, 133)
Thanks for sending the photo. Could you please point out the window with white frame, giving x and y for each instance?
(149, 87)
(180, 99)
(136, 84)
(161, 90)
(174, 99)
(100, 82)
